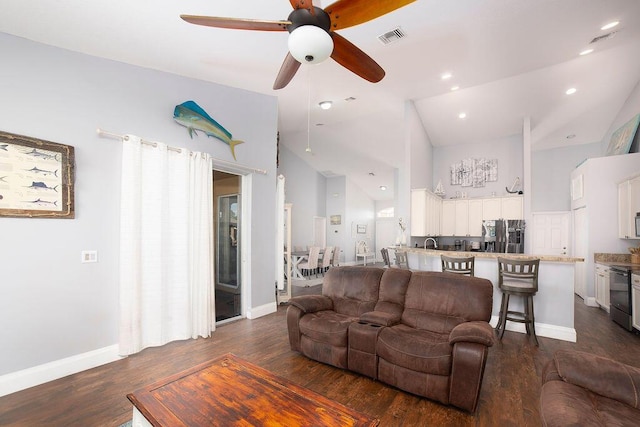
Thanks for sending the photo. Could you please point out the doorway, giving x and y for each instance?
(227, 232)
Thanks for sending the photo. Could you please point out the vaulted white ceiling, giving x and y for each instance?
(510, 58)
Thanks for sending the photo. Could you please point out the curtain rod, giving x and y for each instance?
(235, 166)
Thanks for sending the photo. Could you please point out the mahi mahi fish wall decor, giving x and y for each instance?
(194, 118)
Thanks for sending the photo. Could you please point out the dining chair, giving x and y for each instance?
(335, 259)
(385, 257)
(327, 257)
(311, 264)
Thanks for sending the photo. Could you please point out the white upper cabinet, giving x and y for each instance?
(512, 208)
(492, 208)
(475, 217)
(462, 218)
(448, 218)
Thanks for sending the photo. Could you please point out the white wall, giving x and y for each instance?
(305, 189)
(360, 210)
(52, 306)
(508, 151)
(337, 235)
(420, 149)
(551, 172)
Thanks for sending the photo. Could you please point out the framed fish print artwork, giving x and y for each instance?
(36, 178)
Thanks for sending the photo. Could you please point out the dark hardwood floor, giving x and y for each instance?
(509, 395)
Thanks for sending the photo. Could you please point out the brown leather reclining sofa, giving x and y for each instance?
(423, 332)
(582, 389)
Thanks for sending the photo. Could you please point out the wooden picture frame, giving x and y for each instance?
(36, 178)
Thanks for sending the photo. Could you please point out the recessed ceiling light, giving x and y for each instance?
(586, 52)
(325, 105)
(462, 115)
(383, 187)
(571, 91)
(372, 174)
(446, 76)
(610, 25)
(454, 88)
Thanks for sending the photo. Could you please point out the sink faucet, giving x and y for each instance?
(435, 242)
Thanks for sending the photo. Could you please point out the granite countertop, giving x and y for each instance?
(617, 260)
(490, 255)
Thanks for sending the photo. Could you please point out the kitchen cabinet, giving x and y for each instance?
(628, 206)
(448, 218)
(602, 285)
(635, 301)
(425, 213)
(512, 207)
(462, 218)
(492, 208)
(475, 217)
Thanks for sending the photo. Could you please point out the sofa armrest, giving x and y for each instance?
(475, 331)
(312, 303)
(600, 375)
(381, 318)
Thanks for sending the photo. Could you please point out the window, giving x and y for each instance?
(387, 212)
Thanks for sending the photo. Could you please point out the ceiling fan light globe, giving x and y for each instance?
(309, 44)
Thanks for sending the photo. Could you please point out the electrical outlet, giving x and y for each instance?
(89, 256)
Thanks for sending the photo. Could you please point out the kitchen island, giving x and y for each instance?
(553, 304)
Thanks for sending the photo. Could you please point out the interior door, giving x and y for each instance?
(551, 233)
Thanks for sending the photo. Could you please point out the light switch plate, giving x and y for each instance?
(89, 256)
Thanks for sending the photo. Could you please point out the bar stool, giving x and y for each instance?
(459, 265)
(518, 278)
(402, 260)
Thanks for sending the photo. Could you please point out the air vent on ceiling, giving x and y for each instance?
(392, 36)
(603, 37)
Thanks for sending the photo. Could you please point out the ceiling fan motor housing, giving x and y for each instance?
(300, 17)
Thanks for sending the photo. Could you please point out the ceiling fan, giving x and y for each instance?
(312, 37)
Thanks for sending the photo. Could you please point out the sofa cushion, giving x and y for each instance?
(393, 289)
(326, 327)
(354, 290)
(415, 349)
(438, 302)
(565, 404)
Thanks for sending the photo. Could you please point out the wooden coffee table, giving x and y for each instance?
(229, 391)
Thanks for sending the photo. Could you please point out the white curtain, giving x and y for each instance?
(166, 245)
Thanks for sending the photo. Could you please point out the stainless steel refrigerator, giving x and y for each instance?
(503, 236)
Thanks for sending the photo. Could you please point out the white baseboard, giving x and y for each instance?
(20, 380)
(262, 310)
(542, 330)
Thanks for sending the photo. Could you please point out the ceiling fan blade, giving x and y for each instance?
(355, 60)
(303, 4)
(236, 23)
(287, 71)
(347, 13)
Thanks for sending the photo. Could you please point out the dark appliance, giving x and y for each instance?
(503, 236)
(637, 224)
(620, 296)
